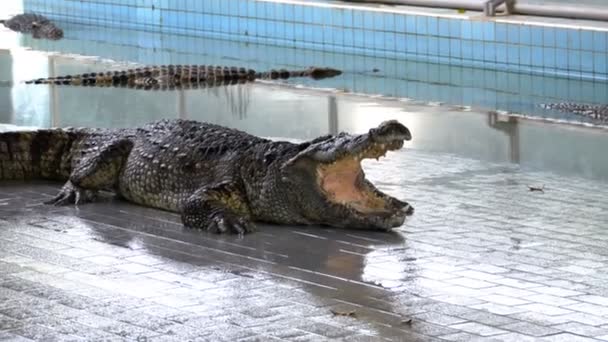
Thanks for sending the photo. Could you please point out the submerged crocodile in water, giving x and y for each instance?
(219, 179)
(38, 25)
(167, 77)
(598, 113)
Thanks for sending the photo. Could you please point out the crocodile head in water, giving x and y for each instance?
(328, 184)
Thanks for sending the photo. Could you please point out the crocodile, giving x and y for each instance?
(38, 25)
(598, 113)
(218, 179)
(168, 77)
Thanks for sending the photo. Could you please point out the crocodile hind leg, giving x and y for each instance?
(97, 169)
(218, 209)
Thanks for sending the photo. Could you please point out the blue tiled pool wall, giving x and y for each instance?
(424, 81)
(358, 30)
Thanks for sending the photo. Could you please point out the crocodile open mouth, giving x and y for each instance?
(341, 196)
(343, 181)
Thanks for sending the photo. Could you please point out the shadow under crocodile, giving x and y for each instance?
(358, 269)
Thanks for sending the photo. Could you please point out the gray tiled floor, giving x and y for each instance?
(483, 259)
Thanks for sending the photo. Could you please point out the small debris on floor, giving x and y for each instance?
(406, 321)
(537, 188)
(351, 313)
(241, 273)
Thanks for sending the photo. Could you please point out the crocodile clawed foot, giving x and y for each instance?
(221, 224)
(71, 194)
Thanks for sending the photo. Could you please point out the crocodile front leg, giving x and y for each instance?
(219, 209)
(97, 169)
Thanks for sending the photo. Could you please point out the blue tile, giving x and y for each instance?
(599, 41)
(348, 18)
(278, 13)
(400, 23)
(537, 56)
(260, 27)
(455, 50)
(215, 7)
(549, 36)
(525, 55)
(537, 36)
(326, 16)
(501, 32)
(600, 63)
(299, 31)
(349, 39)
(489, 31)
(422, 45)
(290, 15)
(587, 61)
(260, 9)
(561, 59)
(410, 24)
(477, 30)
(252, 8)
(444, 47)
(561, 38)
(455, 28)
(513, 33)
(290, 31)
(587, 40)
(467, 30)
(389, 43)
(368, 21)
(317, 16)
(431, 25)
(400, 42)
(207, 22)
(444, 26)
(421, 25)
(243, 8)
(549, 57)
(467, 49)
(433, 46)
(358, 38)
(513, 54)
(501, 53)
(317, 33)
(358, 19)
(233, 7)
(388, 22)
(374, 40)
(329, 34)
(525, 35)
(478, 50)
(234, 25)
(574, 39)
(574, 60)
(489, 53)
(411, 44)
(271, 28)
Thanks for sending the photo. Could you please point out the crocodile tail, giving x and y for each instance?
(38, 154)
(87, 79)
(120, 78)
(315, 73)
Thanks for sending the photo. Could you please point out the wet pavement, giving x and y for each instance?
(482, 259)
